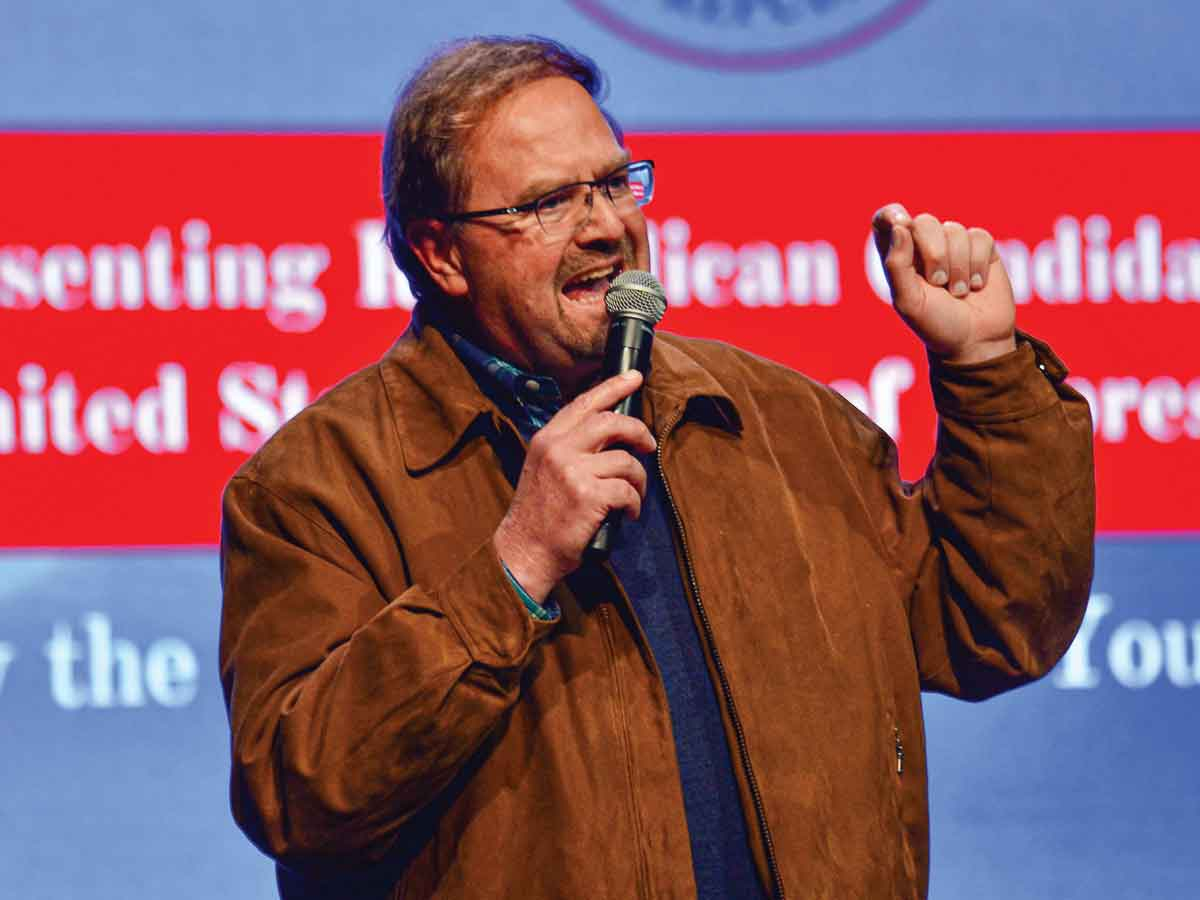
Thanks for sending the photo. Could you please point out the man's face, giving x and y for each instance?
(535, 300)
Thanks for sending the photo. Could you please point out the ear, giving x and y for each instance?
(433, 243)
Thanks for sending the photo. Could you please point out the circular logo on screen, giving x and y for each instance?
(749, 34)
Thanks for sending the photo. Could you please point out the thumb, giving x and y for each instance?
(897, 255)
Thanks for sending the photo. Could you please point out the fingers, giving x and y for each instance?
(623, 480)
(588, 422)
(958, 258)
(605, 428)
(932, 250)
(948, 284)
(894, 241)
(592, 434)
(969, 257)
(620, 464)
(887, 217)
(596, 484)
(604, 395)
(568, 484)
(945, 254)
(983, 253)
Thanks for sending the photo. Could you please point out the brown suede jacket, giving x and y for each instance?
(403, 728)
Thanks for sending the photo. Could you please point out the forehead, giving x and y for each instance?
(541, 135)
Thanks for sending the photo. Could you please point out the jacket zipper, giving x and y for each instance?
(722, 679)
(642, 876)
(899, 750)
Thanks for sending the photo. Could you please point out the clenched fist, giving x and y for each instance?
(948, 284)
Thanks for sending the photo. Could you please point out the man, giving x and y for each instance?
(433, 694)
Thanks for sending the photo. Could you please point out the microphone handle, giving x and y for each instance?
(628, 347)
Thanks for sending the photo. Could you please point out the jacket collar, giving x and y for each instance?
(682, 389)
(435, 401)
(433, 398)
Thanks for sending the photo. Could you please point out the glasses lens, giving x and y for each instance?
(640, 178)
(631, 185)
(564, 209)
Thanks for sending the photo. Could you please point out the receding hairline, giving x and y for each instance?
(481, 133)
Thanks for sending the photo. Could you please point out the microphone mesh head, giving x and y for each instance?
(636, 294)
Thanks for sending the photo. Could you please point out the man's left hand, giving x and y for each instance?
(948, 284)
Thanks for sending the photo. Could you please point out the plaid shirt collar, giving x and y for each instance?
(529, 400)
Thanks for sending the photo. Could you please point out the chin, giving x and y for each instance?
(597, 340)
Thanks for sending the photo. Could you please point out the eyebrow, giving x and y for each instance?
(544, 186)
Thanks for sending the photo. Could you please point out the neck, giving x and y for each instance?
(578, 379)
(572, 380)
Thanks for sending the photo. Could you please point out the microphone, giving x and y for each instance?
(635, 302)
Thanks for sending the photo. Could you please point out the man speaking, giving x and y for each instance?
(435, 691)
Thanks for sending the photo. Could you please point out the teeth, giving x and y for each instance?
(590, 276)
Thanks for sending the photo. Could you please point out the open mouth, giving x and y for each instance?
(591, 284)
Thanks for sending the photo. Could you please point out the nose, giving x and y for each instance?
(602, 221)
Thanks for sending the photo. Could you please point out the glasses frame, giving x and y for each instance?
(532, 206)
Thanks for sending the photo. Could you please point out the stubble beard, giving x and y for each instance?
(586, 341)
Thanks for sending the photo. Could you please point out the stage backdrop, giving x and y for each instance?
(175, 283)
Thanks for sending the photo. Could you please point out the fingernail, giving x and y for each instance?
(959, 289)
(630, 374)
(977, 281)
(939, 278)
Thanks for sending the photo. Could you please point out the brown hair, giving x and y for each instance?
(424, 168)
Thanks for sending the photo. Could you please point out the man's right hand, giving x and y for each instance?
(572, 478)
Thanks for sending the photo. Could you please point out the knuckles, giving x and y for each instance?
(539, 444)
(940, 243)
(982, 239)
(553, 455)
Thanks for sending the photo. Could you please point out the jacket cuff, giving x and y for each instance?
(488, 612)
(1014, 386)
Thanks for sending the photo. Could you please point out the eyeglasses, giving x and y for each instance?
(566, 209)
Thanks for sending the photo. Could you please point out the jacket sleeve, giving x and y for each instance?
(351, 711)
(993, 548)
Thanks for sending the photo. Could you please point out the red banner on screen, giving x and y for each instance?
(167, 301)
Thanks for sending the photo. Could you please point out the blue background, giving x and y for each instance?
(1051, 791)
(1046, 792)
(286, 64)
